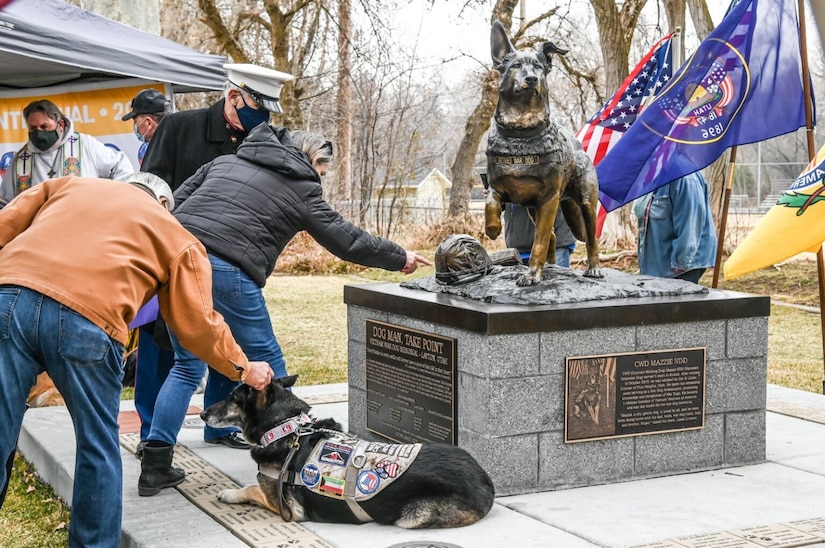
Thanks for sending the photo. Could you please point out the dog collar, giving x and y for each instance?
(284, 429)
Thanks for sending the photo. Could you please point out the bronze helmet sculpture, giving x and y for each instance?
(459, 259)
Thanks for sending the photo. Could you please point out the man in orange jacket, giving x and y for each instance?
(79, 257)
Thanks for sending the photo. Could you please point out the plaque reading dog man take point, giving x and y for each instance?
(619, 395)
(411, 378)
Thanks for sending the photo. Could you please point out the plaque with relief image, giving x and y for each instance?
(628, 394)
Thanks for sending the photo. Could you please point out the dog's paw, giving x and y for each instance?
(531, 277)
(231, 496)
(593, 272)
(493, 231)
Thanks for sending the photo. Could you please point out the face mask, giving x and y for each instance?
(140, 136)
(43, 140)
(250, 117)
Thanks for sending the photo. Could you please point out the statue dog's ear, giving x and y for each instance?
(500, 44)
(548, 49)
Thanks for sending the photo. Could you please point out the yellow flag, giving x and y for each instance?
(795, 224)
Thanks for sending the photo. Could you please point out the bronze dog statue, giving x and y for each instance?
(532, 163)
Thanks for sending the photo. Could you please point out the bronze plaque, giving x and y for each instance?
(411, 380)
(620, 395)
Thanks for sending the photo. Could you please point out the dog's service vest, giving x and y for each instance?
(352, 470)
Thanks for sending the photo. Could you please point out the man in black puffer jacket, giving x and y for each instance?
(245, 208)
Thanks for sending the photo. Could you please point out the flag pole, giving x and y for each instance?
(809, 125)
(723, 217)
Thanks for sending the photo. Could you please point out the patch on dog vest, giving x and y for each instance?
(355, 469)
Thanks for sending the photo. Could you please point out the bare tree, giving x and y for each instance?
(700, 16)
(675, 10)
(617, 23)
(343, 164)
(287, 27)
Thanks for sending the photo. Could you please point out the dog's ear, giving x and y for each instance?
(548, 49)
(500, 44)
(288, 381)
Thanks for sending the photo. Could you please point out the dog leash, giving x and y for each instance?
(281, 500)
(283, 508)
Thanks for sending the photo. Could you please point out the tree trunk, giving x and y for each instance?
(616, 27)
(700, 16)
(477, 124)
(343, 157)
(675, 10)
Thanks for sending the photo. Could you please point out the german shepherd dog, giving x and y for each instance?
(531, 162)
(298, 458)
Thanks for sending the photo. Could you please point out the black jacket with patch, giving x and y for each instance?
(245, 208)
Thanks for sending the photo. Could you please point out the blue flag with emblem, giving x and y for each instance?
(743, 85)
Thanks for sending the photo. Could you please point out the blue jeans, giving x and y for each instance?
(37, 334)
(242, 304)
(153, 366)
(562, 255)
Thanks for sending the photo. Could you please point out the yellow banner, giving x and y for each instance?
(794, 225)
(96, 110)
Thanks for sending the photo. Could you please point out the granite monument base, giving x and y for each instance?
(510, 379)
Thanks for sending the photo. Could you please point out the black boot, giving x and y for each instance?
(156, 471)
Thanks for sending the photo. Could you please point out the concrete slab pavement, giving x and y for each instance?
(750, 506)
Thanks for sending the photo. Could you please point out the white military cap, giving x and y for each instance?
(263, 84)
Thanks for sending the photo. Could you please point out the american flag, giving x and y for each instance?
(609, 124)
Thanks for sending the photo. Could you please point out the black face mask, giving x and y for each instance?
(43, 140)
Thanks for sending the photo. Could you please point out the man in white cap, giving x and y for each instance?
(183, 142)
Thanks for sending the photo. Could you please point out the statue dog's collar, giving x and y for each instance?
(527, 160)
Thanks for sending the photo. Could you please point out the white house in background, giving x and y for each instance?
(422, 201)
(432, 193)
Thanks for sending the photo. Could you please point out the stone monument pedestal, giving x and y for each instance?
(510, 379)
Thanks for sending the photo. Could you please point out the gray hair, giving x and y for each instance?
(313, 145)
(46, 107)
(157, 186)
(229, 86)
